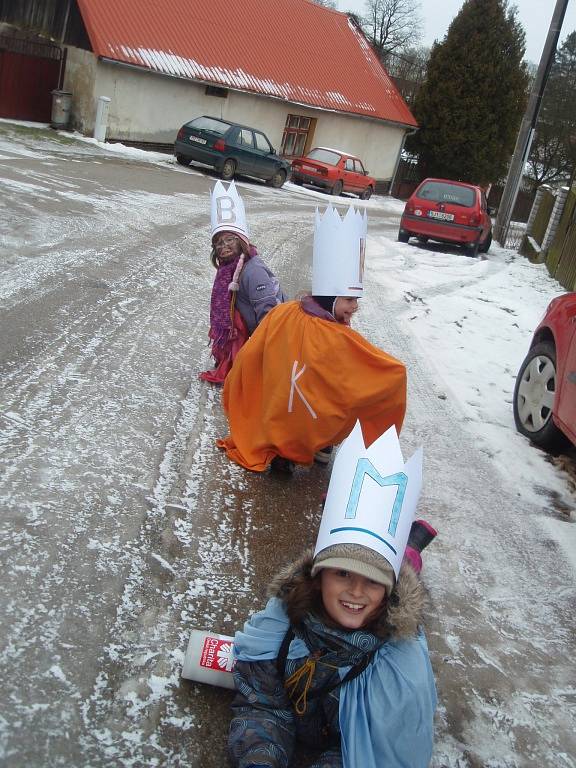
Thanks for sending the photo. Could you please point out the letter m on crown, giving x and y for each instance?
(365, 468)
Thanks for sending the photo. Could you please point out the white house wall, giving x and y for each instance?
(150, 107)
(80, 80)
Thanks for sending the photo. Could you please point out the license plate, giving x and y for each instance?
(441, 215)
(309, 168)
(197, 140)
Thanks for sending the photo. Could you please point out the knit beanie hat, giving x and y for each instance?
(357, 559)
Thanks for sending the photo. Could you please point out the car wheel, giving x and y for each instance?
(338, 187)
(183, 160)
(534, 396)
(278, 179)
(228, 169)
(485, 246)
(403, 236)
(366, 194)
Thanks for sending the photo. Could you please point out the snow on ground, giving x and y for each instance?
(470, 321)
(476, 335)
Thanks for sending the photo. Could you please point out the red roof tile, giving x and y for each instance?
(297, 51)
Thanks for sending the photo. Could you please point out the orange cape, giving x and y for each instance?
(300, 383)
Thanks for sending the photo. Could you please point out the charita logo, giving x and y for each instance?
(217, 654)
(225, 657)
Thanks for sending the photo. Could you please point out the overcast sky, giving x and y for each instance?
(534, 15)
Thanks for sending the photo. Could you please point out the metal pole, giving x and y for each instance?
(63, 51)
(65, 24)
(528, 125)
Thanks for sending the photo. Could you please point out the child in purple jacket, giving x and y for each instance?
(244, 289)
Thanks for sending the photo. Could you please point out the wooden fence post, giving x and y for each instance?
(561, 256)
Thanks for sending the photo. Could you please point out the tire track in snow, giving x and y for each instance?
(91, 360)
(202, 518)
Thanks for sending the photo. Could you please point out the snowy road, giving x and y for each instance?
(124, 528)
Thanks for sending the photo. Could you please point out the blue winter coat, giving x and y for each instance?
(382, 718)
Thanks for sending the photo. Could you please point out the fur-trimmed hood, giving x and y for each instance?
(299, 592)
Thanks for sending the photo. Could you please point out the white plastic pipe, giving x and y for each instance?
(101, 124)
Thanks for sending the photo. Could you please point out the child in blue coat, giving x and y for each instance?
(338, 661)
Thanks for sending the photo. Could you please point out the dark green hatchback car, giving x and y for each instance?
(230, 148)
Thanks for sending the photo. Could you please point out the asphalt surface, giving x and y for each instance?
(125, 528)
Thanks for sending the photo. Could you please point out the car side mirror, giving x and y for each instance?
(491, 210)
(366, 173)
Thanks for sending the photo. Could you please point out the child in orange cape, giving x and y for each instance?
(306, 376)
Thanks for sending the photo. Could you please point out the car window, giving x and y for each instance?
(209, 124)
(262, 142)
(443, 192)
(324, 156)
(358, 167)
(349, 164)
(246, 138)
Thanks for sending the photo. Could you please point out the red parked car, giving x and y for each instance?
(450, 212)
(545, 392)
(334, 171)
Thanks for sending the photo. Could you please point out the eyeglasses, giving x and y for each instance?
(225, 242)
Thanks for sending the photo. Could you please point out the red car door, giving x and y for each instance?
(360, 175)
(349, 177)
(566, 408)
(486, 221)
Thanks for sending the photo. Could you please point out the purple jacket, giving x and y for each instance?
(259, 292)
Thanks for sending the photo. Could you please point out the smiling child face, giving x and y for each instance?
(344, 308)
(351, 600)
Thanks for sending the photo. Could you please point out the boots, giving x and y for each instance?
(421, 534)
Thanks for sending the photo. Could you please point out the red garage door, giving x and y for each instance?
(29, 71)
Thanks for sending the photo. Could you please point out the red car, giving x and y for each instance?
(545, 392)
(334, 171)
(450, 212)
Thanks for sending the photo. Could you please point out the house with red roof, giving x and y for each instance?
(302, 73)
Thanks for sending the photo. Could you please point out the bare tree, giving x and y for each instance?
(392, 25)
(408, 70)
(553, 153)
(326, 4)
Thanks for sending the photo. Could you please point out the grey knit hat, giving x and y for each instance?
(358, 559)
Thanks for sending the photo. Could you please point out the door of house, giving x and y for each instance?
(298, 135)
(29, 72)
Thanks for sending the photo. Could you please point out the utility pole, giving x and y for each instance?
(528, 126)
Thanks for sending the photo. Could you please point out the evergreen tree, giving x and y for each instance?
(470, 107)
